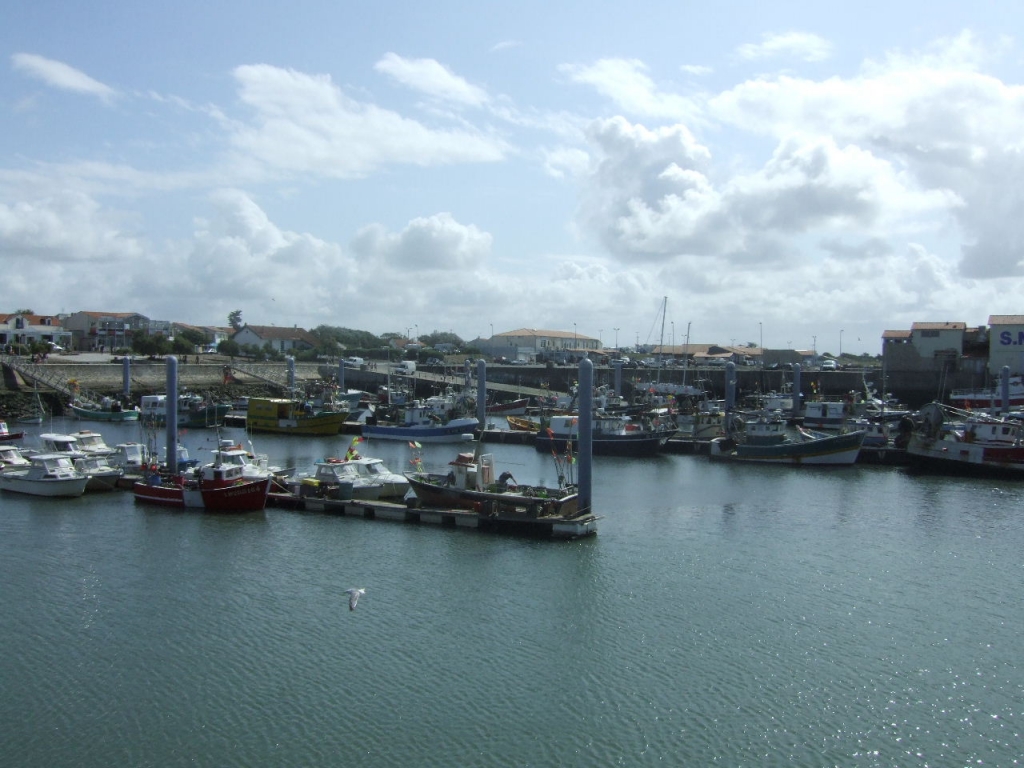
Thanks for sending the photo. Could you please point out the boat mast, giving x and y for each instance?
(661, 344)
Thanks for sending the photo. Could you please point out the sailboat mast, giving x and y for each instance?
(661, 344)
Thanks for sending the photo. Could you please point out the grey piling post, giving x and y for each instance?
(730, 387)
(585, 454)
(126, 376)
(341, 375)
(1004, 386)
(481, 393)
(291, 373)
(796, 390)
(617, 365)
(172, 414)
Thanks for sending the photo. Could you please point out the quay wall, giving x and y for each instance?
(914, 388)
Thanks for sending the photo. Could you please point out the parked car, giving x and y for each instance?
(829, 365)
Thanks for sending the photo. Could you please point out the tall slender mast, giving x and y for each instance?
(661, 345)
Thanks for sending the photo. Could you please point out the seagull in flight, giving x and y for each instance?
(353, 597)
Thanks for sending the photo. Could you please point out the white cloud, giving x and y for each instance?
(305, 124)
(432, 78)
(60, 75)
(627, 84)
(799, 45)
(435, 242)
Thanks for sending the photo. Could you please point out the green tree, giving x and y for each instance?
(229, 348)
(193, 337)
(235, 319)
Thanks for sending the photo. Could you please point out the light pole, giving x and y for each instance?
(600, 343)
(492, 330)
(616, 339)
(840, 342)
(814, 345)
(760, 333)
(575, 344)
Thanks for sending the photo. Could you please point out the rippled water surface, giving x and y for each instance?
(730, 615)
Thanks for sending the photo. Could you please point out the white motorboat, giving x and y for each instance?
(11, 457)
(102, 476)
(48, 474)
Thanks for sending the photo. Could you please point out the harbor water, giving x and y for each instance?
(724, 615)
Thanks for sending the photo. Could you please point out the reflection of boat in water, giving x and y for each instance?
(765, 438)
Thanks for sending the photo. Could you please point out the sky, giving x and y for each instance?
(791, 174)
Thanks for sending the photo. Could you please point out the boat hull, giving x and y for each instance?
(287, 417)
(86, 414)
(242, 497)
(457, 430)
(54, 488)
(963, 458)
(835, 450)
(531, 502)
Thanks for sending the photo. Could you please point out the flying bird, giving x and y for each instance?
(353, 597)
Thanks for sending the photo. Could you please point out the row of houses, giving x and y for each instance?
(109, 331)
(951, 346)
(925, 346)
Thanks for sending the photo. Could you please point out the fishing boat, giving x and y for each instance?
(951, 440)
(826, 414)
(470, 483)
(991, 398)
(194, 411)
(512, 408)
(6, 436)
(765, 438)
(522, 424)
(107, 410)
(212, 487)
(289, 416)
(612, 434)
(48, 474)
(433, 420)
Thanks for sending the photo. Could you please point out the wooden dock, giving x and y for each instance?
(543, 527)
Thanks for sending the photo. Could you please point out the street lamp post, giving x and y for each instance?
(840, 342)
(616, 339)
